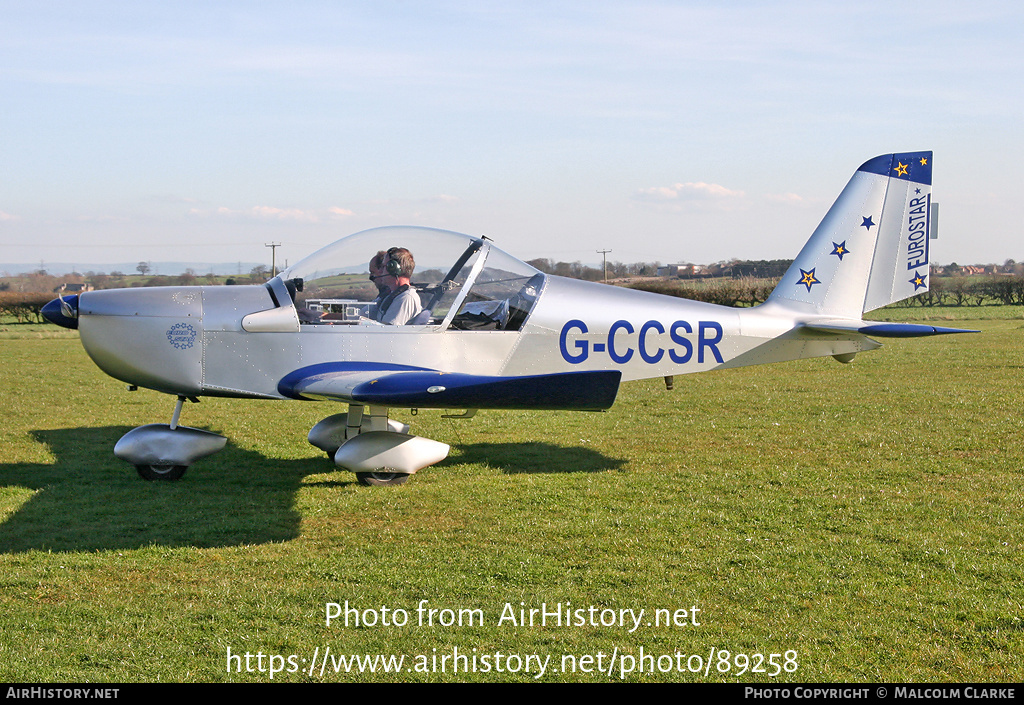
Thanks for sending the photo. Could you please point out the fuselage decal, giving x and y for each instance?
(623, 340)
(917, 232)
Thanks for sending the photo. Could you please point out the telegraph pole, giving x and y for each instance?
(604, 254)
(273, 257)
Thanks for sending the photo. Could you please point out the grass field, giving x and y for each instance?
(867, 517)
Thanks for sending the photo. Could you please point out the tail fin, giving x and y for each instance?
(871, 249)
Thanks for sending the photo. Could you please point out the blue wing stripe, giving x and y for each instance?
(402, 385)
(569, 390)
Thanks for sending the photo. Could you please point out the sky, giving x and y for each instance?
(662, 131)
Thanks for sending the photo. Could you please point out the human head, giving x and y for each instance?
(399, 263)
(378, 271)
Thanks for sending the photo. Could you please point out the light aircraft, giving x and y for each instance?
(495, 333)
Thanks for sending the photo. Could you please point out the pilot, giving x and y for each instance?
(402, 303)
(377, 274)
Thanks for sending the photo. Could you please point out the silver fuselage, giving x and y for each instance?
(196, 341)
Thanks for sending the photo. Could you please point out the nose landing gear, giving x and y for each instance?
(164, 452)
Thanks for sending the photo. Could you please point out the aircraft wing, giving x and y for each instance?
(882, 330)
(416, 387)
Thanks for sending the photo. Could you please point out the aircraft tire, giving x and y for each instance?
(168, 473)
(381, 478)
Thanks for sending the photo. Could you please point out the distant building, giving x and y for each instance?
(684, 271)
(66, 288)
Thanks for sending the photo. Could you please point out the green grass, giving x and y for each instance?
(868, 516)
(947, 313)
(35, 331)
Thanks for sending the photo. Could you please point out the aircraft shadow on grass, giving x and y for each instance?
(534, 458)
(89, 501)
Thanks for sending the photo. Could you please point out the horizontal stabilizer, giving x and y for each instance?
(884, 330)
(398, 385)
(909, 330)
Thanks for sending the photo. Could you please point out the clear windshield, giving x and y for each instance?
(333, 284)
(501, 295)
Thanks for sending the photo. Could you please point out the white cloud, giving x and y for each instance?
(786, 198)
(102, 219)
(273, 213)
(689, 191)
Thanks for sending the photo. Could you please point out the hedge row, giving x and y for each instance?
(971, 291)
(944, 291)
(745, 291)
(25, 308)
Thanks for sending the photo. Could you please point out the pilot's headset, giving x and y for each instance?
(393, 266)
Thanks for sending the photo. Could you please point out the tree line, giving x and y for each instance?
(578, 270)
(993, 290)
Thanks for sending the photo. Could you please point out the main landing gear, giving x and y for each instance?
(379, 450)
(382, 478)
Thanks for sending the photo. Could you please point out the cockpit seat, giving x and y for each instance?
(420, 319)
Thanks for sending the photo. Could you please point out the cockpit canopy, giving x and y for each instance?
(464, 283)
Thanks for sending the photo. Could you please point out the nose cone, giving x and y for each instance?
(63, 311)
